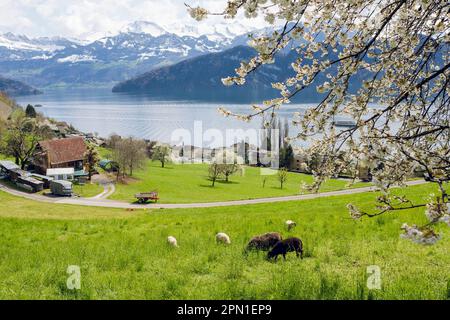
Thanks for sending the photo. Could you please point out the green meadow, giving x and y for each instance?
(189, 183)
(124, 255)
(87, 190)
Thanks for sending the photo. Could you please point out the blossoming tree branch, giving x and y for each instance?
(401, 110)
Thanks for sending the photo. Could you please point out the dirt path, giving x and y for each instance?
(101, 201)
(108, 190)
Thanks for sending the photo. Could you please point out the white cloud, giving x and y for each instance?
(92, 18)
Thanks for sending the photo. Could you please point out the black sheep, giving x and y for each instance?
(264, 242)
(285, 246)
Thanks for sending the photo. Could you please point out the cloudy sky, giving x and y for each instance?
(90, 18)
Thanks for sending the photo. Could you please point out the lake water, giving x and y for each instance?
(103, 112)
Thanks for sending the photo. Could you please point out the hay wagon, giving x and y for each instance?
(145, 197)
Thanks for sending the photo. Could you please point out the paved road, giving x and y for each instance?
(102, 202)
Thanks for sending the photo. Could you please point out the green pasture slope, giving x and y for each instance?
(189, 183)
(123, 254)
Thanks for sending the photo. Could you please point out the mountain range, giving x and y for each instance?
(190, 78)
(139, 47)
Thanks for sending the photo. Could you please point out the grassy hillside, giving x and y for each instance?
(5, 108)
(189, 183)
(124, 255)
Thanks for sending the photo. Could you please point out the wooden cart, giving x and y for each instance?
(147, 196)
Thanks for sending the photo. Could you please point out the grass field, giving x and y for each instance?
(87, 190)
(124, 255)
(189, 183)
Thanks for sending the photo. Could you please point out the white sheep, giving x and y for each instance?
(290, 225)
(223, 238)
(172, 241)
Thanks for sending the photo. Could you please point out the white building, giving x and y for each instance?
(61, 173)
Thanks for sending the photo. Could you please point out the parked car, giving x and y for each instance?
(61, 188)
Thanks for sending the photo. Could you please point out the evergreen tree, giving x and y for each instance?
(30, 112)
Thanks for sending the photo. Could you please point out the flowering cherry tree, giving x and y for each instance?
(401, 109)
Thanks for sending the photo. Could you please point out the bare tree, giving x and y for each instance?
(136, 154)
(120, 156)
(129, 154)
(214, 172)
(282, 176)
(112, 140)
(264, 181)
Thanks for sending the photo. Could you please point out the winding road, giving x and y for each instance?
(101, 201)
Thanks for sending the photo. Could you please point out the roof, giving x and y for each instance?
(20, 172)
(80, 173)
(60, 171)
(40, 176)
(31, 180)
(64, 150)
(8, 165)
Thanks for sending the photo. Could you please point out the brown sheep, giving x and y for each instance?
(264, 242)
(285, 246)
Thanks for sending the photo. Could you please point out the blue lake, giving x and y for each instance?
(103, 112)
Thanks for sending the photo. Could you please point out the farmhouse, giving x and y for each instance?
(61, 153)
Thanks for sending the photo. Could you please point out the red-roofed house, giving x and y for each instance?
(60, 153)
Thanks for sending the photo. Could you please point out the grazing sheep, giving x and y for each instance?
(264, 242)
(285, 246)
(223, 238)
(290, 225)
(172, 241)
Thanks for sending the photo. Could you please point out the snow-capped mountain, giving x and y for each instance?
(144, 27)
(21, 42)
(216, 32)
(138, 47)
(222, 31)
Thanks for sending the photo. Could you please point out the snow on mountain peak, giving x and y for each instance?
(216, 31)
(21, 42)
(144, 27)
(223, 30)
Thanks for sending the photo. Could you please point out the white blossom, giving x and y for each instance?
(198, 13)
(401, 48)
